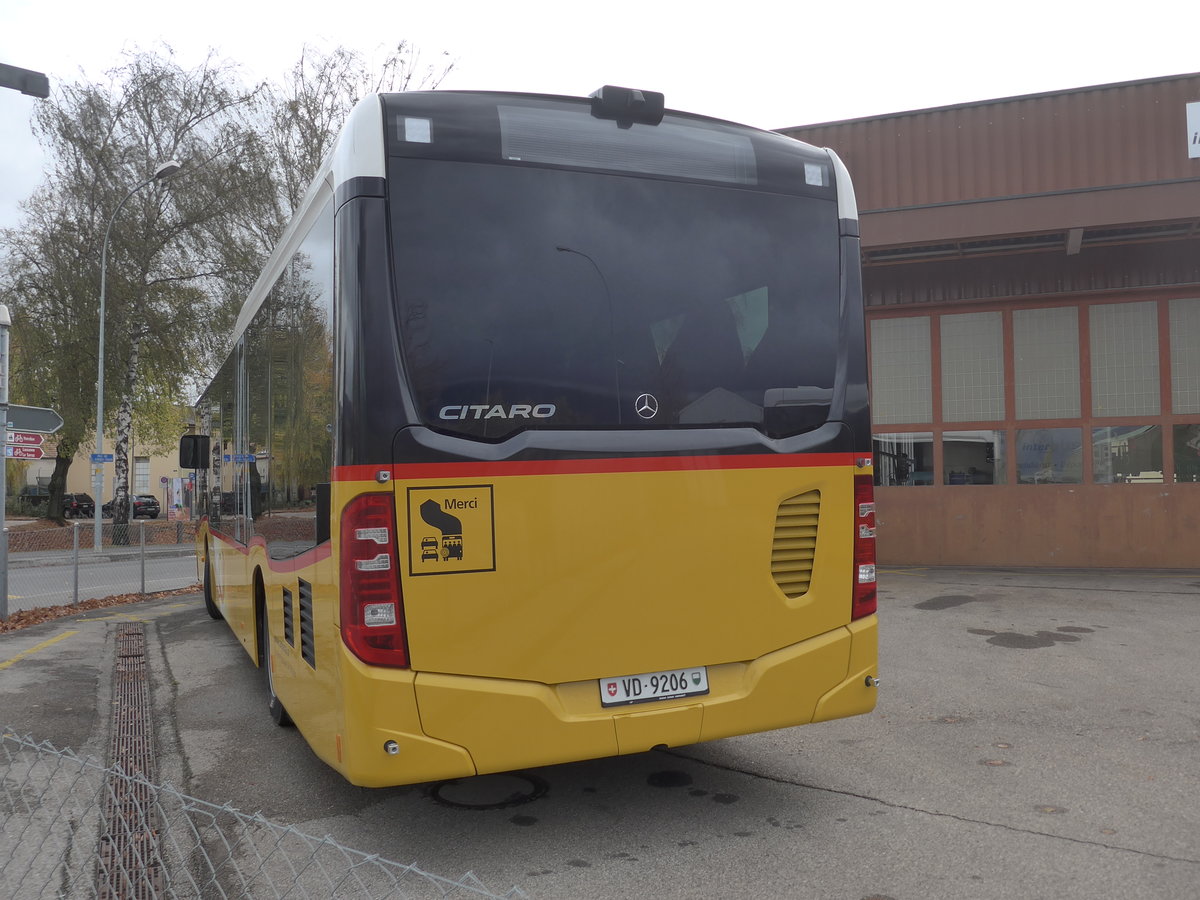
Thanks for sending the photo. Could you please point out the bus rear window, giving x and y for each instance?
(673, 148)
(535, 298)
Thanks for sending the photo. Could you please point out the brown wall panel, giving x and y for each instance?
(1118, 134)
(1091, 209)
(1077, 526)
(1094, 269)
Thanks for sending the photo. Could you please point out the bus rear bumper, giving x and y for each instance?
(449, 726)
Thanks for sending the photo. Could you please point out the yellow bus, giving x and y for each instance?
(544, 437)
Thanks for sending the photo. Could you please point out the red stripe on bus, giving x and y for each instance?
(291, 564)
(478, 469)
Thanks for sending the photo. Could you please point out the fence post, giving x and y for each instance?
(142, 534)
(75, 558)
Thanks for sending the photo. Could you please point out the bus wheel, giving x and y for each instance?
(279, 715)
(209, 603)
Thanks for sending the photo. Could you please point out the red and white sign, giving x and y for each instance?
(23, 452)
(26, 438)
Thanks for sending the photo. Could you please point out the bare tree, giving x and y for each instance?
(182, 256)
(102, 140)
(308, 109)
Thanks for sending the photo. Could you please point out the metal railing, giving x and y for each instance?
(70, 827)
(57, 566)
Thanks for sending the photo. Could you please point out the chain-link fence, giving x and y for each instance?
(54, 566)
(70, 827)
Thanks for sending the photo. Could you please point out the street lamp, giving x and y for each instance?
(5, 324)
(170, 167)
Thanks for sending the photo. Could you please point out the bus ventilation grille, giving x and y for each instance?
(308, 648)
(795, 543)
(289, 628)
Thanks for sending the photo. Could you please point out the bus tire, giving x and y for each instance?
(209, 603)
(279, 714)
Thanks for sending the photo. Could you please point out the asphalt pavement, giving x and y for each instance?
(1037, 735)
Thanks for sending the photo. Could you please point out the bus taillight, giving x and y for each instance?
(864, 602)
(372, 606)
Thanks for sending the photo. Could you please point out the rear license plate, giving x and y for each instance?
(667, 685)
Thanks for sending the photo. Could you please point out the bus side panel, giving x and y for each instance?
(232, 589)
(301, 604)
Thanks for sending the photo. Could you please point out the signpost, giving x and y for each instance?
(25, 428)
(26, 438)
(33, 418)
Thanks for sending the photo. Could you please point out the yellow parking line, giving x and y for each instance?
(32, 650)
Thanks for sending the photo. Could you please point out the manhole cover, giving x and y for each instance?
(489, 791)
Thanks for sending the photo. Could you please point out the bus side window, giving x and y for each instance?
(322, 497)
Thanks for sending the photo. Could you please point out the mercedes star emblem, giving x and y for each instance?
(646, 406)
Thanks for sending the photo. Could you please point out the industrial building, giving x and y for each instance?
(1031, 269)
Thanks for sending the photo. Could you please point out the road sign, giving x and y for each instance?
(101, 457)
(23, 452)
(33, 418)
(28, 438)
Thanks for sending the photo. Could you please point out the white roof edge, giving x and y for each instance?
(289, 242)
(359, 149)
(357, 152)
(847, 204)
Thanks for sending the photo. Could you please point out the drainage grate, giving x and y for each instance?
(129, 864)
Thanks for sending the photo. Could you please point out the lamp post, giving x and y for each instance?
(5, 324)
(170, 167)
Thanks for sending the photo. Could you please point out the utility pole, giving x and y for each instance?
(5, 323)
(33, 84)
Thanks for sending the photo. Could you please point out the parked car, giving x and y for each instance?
(78, 506)
(139, 505)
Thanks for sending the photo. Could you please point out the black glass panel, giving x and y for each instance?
(534, 298)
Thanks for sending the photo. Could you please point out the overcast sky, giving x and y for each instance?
(770, 63)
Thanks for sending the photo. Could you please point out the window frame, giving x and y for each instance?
(1010, 424)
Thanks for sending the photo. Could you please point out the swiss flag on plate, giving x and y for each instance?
(612, 689)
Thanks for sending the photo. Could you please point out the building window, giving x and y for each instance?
(1046, 363)
(904, 458)
(973, 457)
(141, 474)
(1124, 347)
(1050, 456)
(901, 377)
(1127, 454)
(972, 367)
(1187, 452)
(995, 371)
(1185, 356)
